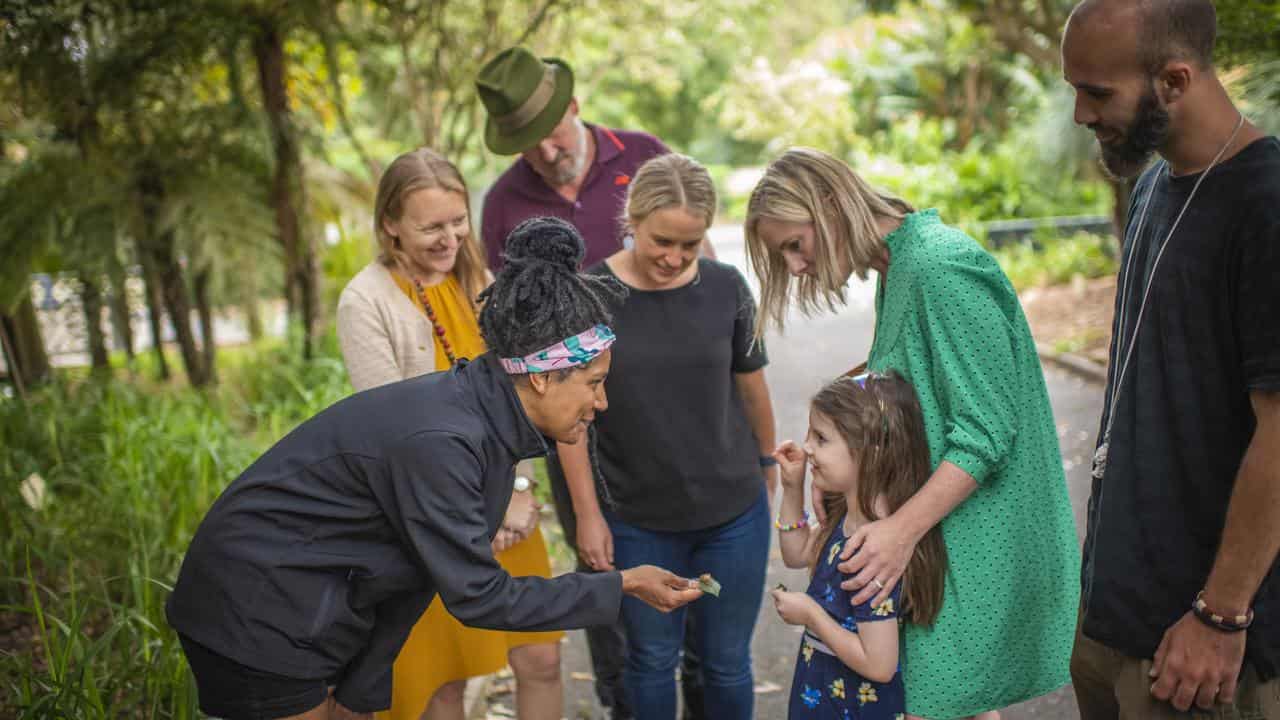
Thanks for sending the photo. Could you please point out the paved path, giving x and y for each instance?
(816, 349)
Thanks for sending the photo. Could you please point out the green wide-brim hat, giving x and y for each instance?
(525, 98)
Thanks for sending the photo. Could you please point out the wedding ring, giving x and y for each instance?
(879, 585)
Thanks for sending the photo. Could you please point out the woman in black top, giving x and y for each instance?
(305, 577)
(680, 471)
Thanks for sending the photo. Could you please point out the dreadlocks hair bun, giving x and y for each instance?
(549, 239)
(538, 297)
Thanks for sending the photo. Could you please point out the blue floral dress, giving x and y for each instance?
(824, 688)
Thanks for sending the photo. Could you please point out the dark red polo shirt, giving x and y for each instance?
(520, 193)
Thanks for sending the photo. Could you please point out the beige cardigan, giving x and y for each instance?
(384, 336)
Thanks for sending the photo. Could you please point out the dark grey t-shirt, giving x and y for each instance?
(674, 450)
(1209, 336)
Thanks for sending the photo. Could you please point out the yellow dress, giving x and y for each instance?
(440, 649)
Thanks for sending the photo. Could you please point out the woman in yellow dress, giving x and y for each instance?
(409, 312)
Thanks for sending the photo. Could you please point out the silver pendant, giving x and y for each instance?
(1100, 460)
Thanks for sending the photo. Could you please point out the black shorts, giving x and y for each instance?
(237, 692)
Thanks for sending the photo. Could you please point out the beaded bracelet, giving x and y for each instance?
(788, 527)
(1235, 623)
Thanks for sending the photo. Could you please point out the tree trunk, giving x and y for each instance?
(29, 363)
(155, 311)
(159, 244)
(121, 319)
(12, 368)
(177, 302)
(253, 317)
(91, 303)
(288, 196)
(204, 310)
(969, 116)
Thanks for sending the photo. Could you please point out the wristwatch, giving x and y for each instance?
(522, 484)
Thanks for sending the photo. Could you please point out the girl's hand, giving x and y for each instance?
(876, 556)
(795, 608)
(791, 461)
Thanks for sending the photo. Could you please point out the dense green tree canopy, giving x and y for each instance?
(234, 144)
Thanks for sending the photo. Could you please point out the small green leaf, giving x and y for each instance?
(708, 585)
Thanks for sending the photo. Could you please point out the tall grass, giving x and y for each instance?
(130, 471)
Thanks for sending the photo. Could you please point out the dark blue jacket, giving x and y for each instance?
(317, 561)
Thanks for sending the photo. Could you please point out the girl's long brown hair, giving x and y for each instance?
(883, 426)
(422, 169)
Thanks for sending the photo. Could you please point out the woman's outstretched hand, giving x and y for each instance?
(658, 588)
(876, 555)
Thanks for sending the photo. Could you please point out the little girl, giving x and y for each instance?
(867, 448)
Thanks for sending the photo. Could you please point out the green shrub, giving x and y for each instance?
(1056, 260)
(129, 473)
(983, 182)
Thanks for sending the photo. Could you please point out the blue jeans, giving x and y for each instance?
(736, 554)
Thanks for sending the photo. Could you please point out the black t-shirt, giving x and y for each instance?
(1209, 336)
(675, 450)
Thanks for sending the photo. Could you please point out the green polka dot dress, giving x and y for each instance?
(949, 321)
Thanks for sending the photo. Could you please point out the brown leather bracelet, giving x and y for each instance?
(1234, 623)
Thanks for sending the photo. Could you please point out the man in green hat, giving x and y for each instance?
(578, 172)
(566, 168)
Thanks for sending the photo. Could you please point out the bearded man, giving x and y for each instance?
(579, 172)
(1180, 606)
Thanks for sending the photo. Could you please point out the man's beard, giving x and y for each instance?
(1145, 135)
(565, 173)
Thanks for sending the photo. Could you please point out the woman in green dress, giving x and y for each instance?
(948, 320)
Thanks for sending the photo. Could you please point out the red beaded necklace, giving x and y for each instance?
(435, 324)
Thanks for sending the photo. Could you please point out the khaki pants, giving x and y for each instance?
(1112, 686)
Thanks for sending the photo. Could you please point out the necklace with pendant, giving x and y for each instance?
(1100, 455)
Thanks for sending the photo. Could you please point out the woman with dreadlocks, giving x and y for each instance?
(412, 311)
(307, 574)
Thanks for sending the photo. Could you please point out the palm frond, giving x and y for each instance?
(55, 204)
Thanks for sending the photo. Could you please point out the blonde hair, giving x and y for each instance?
(670, 181)
(423, 169)
(809, 186)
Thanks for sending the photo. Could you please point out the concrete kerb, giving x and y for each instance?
(1085, 368)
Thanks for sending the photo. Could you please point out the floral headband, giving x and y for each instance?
(577, 350)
